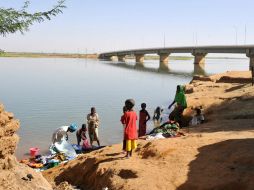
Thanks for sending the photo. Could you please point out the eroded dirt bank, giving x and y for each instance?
(216, 155)
(12, 172)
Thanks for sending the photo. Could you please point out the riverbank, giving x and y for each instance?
(218, 154)
(48, 55)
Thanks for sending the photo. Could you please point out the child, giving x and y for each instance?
(81, 134)
(130, 132)
(143, 118)
(93, 125)
(157, 118)
(198, 118)
(124, 125)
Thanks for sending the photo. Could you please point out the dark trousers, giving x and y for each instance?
(124, 144)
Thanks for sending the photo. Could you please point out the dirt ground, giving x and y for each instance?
(12, 172)
(218, 154)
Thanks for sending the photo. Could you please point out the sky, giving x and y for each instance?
(88, 26)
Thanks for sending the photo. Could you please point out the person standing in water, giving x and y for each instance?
(93, 125)
(143, 118)
(181, 104)
(157, 117)
(130, 132)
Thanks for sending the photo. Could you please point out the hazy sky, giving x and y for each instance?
(96, 26)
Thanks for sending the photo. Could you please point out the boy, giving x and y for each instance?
(157, 117)
(130, 132)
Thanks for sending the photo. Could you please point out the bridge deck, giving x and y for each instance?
(245, 49)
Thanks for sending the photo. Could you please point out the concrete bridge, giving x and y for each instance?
(199, 53)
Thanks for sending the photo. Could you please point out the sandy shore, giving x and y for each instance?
(218, 154)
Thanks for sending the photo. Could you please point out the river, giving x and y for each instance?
(46, 93)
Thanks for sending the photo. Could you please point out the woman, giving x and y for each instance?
(181, 104)
(143, 118)
(93, 124)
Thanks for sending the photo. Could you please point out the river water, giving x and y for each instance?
(47, 93)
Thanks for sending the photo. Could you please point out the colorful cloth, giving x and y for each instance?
(130, 132)
(180, 98)
(167, 129)
(131, 145)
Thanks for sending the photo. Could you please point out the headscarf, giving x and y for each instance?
(180, 97)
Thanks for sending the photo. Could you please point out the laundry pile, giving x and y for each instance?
(166, 130)
(44, 162)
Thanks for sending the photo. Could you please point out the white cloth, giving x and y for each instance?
(157, 136)
(60, 143)
(60, 134)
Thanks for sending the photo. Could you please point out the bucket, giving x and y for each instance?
(34, 152)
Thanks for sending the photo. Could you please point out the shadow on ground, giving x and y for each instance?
(227, 165)
(233, 114)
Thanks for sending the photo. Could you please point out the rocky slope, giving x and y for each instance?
(12, 172)
(218, 154)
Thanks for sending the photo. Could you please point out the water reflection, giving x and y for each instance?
(199, 69)
(160, 70)
(187, 68)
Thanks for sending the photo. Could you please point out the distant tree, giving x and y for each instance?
(13, 20)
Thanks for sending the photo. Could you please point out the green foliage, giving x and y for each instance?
(12, 20)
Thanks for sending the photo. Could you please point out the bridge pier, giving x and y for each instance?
(164, 58)
(199, 58)
(140, 59)
(110, 58)
(121, 58)
(199, 69)
(251, 56)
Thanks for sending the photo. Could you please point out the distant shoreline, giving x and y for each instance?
(94, 56)
(48, 55)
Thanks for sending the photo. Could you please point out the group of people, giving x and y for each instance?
(60, 136)
(128, 120)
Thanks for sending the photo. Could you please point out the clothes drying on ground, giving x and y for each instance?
(167, 130)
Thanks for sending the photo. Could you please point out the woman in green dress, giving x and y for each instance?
(181, 104)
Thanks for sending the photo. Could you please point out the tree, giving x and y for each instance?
(12, 20)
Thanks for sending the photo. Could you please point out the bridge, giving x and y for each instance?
(199, 53)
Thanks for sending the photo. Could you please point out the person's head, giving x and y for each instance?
(143, 106)
(129, 103)
(83, 127)
(158, 109)
(178, 88)
(93, 110)
(124, 109)
(171, 118)
(73, 127)
(198, 111)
